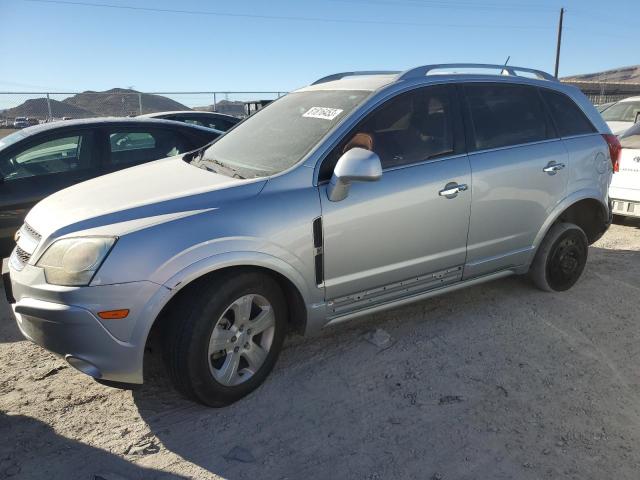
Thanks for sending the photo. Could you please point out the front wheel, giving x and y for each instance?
(560, 259)
(225, 336)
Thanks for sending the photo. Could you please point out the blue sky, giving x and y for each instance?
(282, 44)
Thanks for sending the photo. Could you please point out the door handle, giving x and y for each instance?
(452, 189)
(552, 168)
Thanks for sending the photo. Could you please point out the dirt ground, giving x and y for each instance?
(499, 381)
(6, 131)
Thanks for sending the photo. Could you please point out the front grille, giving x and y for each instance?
(22, 255)
(29, 230)
(27, 243)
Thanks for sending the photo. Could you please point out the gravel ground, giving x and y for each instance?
(6, 131)
(498, 381)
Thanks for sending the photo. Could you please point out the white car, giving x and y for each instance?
(625, 186)
(622, 115)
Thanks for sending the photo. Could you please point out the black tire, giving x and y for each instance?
(189, 325)
(560, 259)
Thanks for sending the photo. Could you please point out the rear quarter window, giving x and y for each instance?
(567, 116)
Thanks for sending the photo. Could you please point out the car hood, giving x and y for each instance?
(134, 197)
(618, 128)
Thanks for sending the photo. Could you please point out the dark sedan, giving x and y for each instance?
(40, 160)
(218, 121)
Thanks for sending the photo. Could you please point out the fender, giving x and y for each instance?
(575, 197)
(236, 259)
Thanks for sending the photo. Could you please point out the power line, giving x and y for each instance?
(452, 5)
(600, 18)
(282, 17)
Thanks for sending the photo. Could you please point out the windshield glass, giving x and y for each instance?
(603, 107)
(279, 135)
(10, 139)
(631, 138)
(622, 112)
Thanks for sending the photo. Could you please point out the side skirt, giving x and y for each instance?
(417, 297)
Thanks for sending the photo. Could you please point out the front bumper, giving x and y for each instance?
(64, 321)
(78, 336)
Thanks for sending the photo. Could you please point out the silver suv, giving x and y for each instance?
(358, 193)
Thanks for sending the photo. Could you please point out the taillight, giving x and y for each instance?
(614, 150)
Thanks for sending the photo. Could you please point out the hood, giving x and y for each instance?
(618, 128)
(148, 193)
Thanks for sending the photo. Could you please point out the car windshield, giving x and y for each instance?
(279, 135)
(11, 139)
(631, 138)
(603, 107)
(622, 112)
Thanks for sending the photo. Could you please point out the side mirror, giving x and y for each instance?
(356, 165)
(637, 118)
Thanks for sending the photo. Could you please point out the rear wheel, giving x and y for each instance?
(224, 337)
(561, 258)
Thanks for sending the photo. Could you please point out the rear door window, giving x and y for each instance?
(191, 121)
(506, 115)
(68, 153)
(216, 123)
(124, 141)
(207, 121)
(134, 146)
(567, 116)
(219, 124)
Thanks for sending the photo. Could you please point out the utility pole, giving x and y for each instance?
(559, 42)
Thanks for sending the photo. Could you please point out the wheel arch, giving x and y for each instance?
(290, 281)
(584, 209)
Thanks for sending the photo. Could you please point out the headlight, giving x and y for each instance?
(74, 261)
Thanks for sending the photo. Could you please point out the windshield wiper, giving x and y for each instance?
(196, 158)
(201, 161)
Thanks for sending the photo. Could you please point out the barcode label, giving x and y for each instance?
(324, 113)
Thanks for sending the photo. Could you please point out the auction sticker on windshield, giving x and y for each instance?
(324, 113)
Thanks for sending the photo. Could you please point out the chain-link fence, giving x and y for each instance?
(605, 92)
(21, 108)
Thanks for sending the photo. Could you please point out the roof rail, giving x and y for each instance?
(338, 76)
(420, 72)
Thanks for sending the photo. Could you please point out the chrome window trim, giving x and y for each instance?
(517, 145)
(581, 135)
(425, 162)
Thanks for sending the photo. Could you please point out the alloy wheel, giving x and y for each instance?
(241, 340)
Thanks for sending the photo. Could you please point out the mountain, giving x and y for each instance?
(230, 107)
(623, 74)
(117, 102)
(122, 102)
(37, 108)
